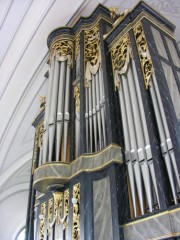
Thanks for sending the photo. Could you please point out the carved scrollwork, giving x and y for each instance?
(42, 221)
(37, 144)
(92, 53)
(77, 46)
(66, 206)
(50, 213)
(120, 56)
(35, 150)
(77, 96)
(76, 212)
(64, 49)
(92, 41)
(144, 55)
(50, 210)
(41, 131)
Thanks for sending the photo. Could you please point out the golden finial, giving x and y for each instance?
(114, 11)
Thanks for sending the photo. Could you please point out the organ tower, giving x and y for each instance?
(106, 158)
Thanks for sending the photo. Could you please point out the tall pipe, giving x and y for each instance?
(166, 130)
(87, 119)
(164, 149)
(145, 130)
(47, 111)
(60, 108)
(133, 145)
(139, 137)
(66, 110)
(98, 109)
(102, 105)
(52, 115)
(90, 115)
(127, 151)
(94, 112)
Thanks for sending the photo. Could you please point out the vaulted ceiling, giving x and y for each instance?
(24, 27)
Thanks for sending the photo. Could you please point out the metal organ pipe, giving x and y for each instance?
(47, 112)
(86, 118)
(164, 149)
(133, 144)
(139, 137)
(102, 105)
(145, 131)
(66, 109)
(52, 116)
(168, 141)
(127, 150)
(60, 108)
(90, 116)
(94, 112)
(98, 110)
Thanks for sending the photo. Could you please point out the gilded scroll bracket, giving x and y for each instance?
(144, 55)
(64, 51)
(121, 55)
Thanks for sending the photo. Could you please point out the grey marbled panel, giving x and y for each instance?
(102, 210)
(159, 43)
(173, 88)
(175, 221)
(173, 51)
(159, 226)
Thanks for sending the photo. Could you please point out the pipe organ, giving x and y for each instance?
(106, 158)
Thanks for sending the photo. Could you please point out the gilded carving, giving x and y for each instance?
(42, 100)
(64, 49)
(66, 206)
(77, 96)
(35, 150)
(120, 56)
(50, 210)
(37, 144)
(114, 11)
(92, 41)
(41, 131)
(77, 46)
(42, 221)
(58, 200)
(121, 17)
(59, 221)
(144, 55)
(76, 212)
(92, 53)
